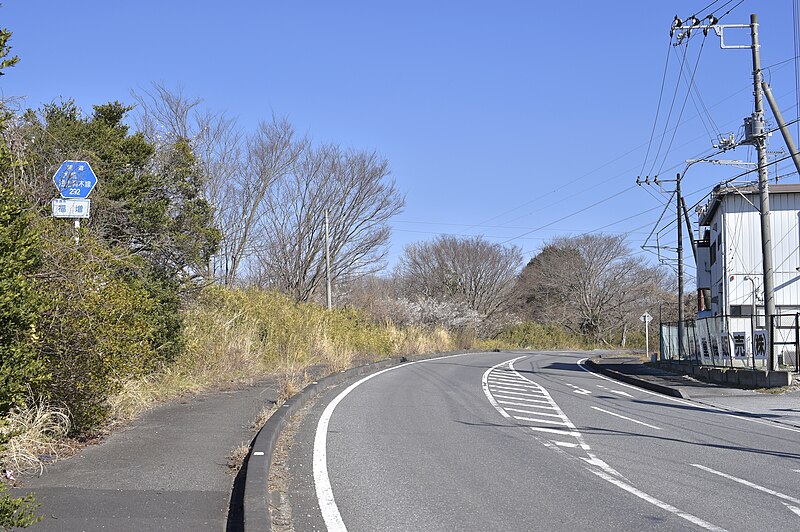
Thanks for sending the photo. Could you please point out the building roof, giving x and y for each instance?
(722, 190)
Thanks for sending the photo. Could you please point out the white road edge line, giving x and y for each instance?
(698, 406)
(627, 418)
(748, 484)
(322, 482)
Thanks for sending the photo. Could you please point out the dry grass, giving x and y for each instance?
(38, 436)
(262, 417)
(235, 336)
(237, 457)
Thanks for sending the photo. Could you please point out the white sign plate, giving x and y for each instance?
(71, 208)
(646, 318)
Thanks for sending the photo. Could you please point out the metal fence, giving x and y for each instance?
(734, 341)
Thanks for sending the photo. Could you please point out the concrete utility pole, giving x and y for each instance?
(328, 260)
(756, 134)
(681, 316)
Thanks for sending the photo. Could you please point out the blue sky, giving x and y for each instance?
(498, 118)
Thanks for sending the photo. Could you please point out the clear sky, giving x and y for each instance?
(517, 120)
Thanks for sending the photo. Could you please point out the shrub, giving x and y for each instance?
(533, 335)
(20, 257)
(109, 319)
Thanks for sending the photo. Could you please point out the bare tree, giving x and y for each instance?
(592, 284)
(472, 271)
(353, 187)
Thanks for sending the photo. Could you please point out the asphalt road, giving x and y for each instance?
(505, 441)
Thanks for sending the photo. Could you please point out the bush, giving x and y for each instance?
(20, 304)
(109, 319)
(533, 335)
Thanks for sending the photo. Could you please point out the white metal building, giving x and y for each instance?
(729, 269)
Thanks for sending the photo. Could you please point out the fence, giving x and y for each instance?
(733, 341)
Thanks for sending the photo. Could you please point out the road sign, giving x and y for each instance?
(646, 318)
(71, 208)
(75, 179)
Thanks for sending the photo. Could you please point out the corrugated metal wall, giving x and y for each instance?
(739, 219)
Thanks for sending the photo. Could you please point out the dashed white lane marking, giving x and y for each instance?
(578, 389)
(796, 470)
(594, 464)
(528, 405)
(627, 418)
(258, 453)
(794, 509)
(322, 482)
(618, 392)
(748, 484)
(696, 406)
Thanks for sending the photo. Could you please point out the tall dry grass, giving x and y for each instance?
(241, 335)
(38, 435)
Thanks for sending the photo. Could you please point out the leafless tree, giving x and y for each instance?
(592, 284)
(356, 192)
(472, 271)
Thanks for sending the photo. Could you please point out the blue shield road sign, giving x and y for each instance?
(75, 179)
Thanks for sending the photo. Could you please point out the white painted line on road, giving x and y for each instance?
(537, 420)
(748, 484)
(557, 431)
(652, 500)
(564, 444)
(532, 396)
(530, 403)
(794, 509)
(796, 470)
(696, 406)
(322, 481)
(521, 411)
(618, 392)
(533, 402)
(627, 418)
(258, 453)
(514, 388)
(593, 464)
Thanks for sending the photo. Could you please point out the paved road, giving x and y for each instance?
(504, 441)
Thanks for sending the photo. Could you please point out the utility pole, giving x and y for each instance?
(328, 260)
(755, 133)
(681, 330)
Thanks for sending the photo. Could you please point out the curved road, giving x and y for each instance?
(533, 441)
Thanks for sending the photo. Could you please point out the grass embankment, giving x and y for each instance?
(243, 335)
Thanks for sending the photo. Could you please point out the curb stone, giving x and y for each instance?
(256, 498)
(641, 383)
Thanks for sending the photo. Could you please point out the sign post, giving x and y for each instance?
(74, 180)
(646, 319)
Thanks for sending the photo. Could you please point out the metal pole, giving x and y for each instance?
(680, 269)
(647, 337)
(77, 231)
(787, 137)
(763, 189)
(328, 260)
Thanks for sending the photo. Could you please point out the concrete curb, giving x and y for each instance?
(256, 498)
(641, 383)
